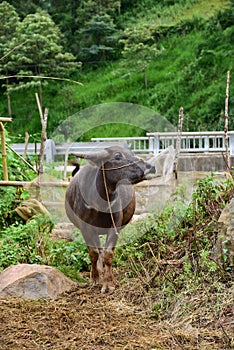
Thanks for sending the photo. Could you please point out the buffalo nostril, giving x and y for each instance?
(153, 170)
(149, 169)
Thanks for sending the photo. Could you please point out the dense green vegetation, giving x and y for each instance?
(160, 55)
(175, 254)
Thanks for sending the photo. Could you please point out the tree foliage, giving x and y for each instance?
(36, 50)
(97, 39)
(42, 52)
(139, 49)
(9, 22)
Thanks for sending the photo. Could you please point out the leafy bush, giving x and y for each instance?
(10, 196)
(73, 254)
(7, 214)
(26, 243)
(174, 253)
(31, 243)
(17, 169)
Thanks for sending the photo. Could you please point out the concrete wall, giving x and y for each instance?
(202, 162)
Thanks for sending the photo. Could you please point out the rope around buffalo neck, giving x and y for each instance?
(121, 166)
(106, 189)
(108, 199)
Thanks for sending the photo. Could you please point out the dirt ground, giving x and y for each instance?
(86, 319)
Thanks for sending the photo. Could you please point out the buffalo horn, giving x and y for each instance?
(93, 156)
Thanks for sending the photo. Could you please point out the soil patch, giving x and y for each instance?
(86, 319)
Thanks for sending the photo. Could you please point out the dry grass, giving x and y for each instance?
(86, 319)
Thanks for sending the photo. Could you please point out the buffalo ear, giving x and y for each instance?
(94, 157)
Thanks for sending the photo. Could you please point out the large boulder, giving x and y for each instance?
(224, 248)
(33, 282)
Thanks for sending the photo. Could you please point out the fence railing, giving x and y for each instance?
(191, 142)
(139, 144)
(206, 141)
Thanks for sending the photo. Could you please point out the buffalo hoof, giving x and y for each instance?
(107, 288)
(94, 283)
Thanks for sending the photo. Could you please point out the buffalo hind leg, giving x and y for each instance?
(95, 256)
(108, 281)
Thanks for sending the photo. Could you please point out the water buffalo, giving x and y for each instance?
(100, 200)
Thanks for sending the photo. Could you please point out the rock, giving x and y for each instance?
(139, 217)
(224, 248)
(33, 282)
(31, 207)
(163, 162)
(64, 230)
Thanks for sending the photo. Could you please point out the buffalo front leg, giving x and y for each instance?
(95, 256)
(108, 280)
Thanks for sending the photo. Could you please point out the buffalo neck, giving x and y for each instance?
(103, 186)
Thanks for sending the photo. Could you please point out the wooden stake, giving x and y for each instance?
(39, 108)
(65, 163)
(20, 157)
(3, 119)
(35, 183)
(4, 155)
(26, 144)
(40, 77)
(43, 140)
(178, 141)
(43, 134)
(226, 123)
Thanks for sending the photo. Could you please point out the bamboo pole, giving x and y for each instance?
(178, 141)
(26, 144)
(66, 160)
(41, 77)
(20, 157)
(39, 107)
(2, 119)
(43, 140)
(43, 133)
(34, 183)
(4, 155)
(226, 123)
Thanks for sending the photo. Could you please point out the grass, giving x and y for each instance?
(205, 9)
(159, 15)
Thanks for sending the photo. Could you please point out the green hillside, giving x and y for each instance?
(193, 41)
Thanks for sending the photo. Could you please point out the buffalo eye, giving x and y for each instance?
(118, 156)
